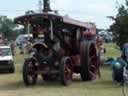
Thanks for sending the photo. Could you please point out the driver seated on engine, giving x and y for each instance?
(38, 34)
(41, 34)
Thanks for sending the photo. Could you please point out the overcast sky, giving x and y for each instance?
(85, 10)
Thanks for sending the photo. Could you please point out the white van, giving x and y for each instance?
(6, 59)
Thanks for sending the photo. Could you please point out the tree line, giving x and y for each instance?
(8, 29)
(120, 25)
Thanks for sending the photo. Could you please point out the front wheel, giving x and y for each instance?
(66, 71)
(29, 75)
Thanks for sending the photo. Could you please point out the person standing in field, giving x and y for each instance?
(1, 39)
(12, 45)
(22, 45)
(118, 70)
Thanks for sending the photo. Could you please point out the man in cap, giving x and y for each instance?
(117, 69)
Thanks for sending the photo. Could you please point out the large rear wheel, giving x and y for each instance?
(29, 75)
(66, 71)
(88, 61)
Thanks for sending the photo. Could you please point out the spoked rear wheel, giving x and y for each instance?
(88, 61)
(66, 71)
(29, 75)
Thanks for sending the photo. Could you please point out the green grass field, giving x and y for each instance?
(12, 84)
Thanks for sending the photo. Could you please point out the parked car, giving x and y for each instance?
(6, 59)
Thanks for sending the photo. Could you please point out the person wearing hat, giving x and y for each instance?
(117, 69)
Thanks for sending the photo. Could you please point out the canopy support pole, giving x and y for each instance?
(51, 28)
(28, 30)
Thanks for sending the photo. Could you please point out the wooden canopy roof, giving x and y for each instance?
(48, 16)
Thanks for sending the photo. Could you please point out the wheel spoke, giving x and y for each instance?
(67, 72)
(92, 57)
(91, 62)
(92, 74)
(67, 77)
(91, 49)
(93, 66)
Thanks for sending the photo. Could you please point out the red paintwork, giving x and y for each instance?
(76, 60)
(92, 31)
(93, 63)
(68, 71)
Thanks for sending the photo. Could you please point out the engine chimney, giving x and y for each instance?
(46, 8)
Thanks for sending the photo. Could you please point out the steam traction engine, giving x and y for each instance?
(60, 47)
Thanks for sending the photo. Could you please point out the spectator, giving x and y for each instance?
(118, 69)
(1, 39)
(101, 53)
(21, 46)
(6, 41)
(125, 74)
(13, 47)
(98, 41)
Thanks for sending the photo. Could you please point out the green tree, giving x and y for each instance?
(120, 25)
(7, 27)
